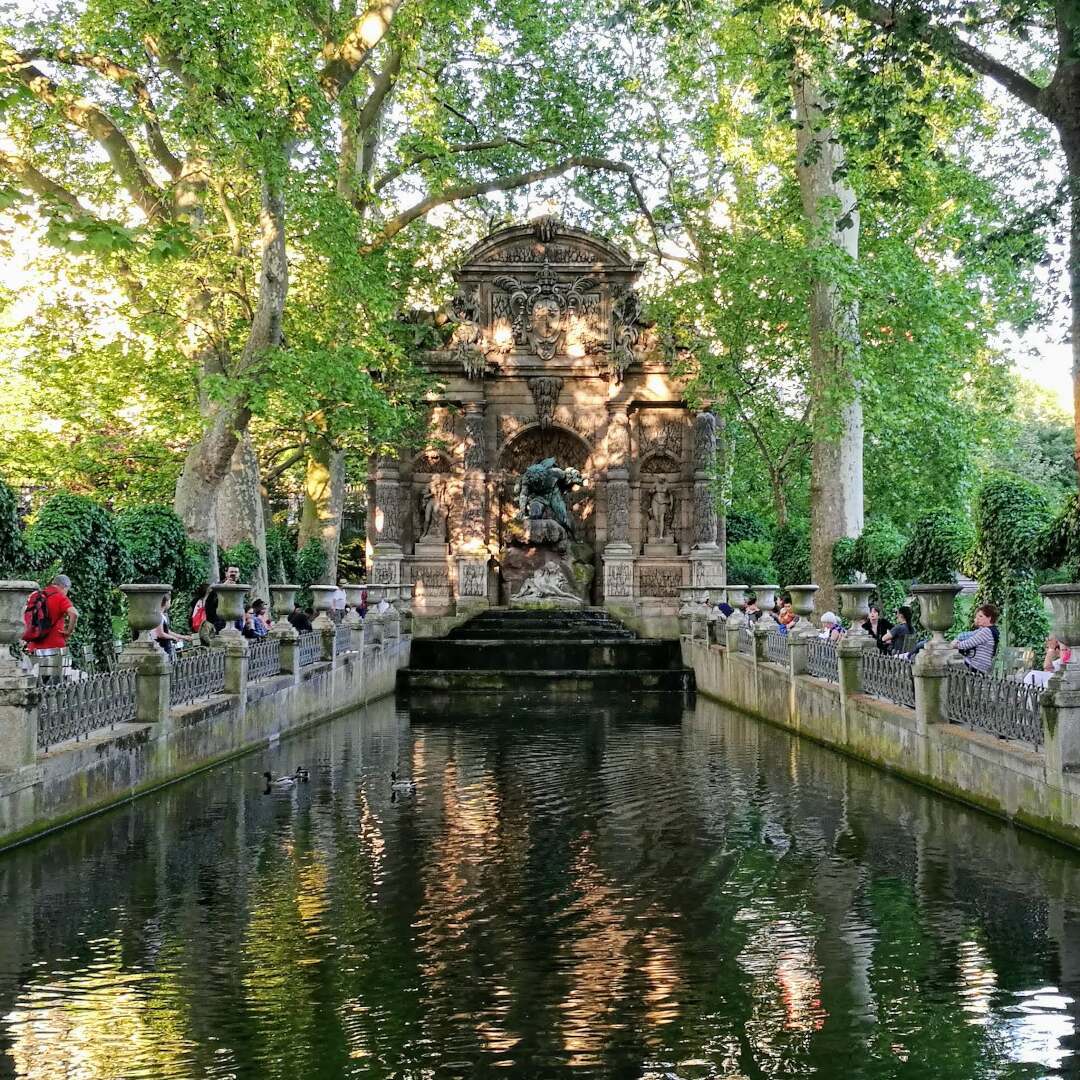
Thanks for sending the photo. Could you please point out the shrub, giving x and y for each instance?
(750, 563)
(155, 539)
(876, 553)
(311, 564)
(280, 556)
(940, 544)
(13, 554)
(844, 565)
(740, 525)
(76, 536)
(791, 554)
(194, 571)
(243, 555)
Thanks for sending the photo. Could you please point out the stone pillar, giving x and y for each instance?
(289, 645)
(236, 667)
(153, 679)
(707, 554)
(387, 556)
(618, 556)
(1060, 704)
(931, 665)
(472, 556)
(326, 640)
(20, 698)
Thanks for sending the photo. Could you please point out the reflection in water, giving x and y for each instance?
(608, 889)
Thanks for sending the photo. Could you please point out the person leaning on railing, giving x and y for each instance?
(978, 646)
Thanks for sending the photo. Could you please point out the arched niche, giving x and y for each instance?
(431, 463)
(535, 443)
(660, 464)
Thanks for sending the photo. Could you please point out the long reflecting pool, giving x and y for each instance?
(606, 889)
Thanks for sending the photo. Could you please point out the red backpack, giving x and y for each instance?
(36, 617)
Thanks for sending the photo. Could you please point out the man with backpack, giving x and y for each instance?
(50, 616)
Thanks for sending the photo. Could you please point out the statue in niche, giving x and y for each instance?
(659, 513)
(432, 516)
(547, 583)
(543, 487)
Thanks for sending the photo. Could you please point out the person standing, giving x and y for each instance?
(50, 617)
(163, 634)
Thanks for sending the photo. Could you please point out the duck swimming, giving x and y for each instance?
(402, 786)
(298, 777)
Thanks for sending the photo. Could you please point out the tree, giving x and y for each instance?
(1042, 37)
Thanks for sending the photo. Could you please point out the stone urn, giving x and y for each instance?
(144, 606)
(855, 607)
(937, 608)
(375, 593)
(283, 598)
(736, 597)
(13, 597)
(766, 596)
(802, 603)
(322, 597)
(353, 596)
(230, 606)
(1065, 604)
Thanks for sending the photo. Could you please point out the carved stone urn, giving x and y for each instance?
(1065, 604)
(144, 606)
(802, 603)
(231, 606)
(13, 597)
(283, 597)
(855, 607)
(353, 596)
(736, 597)
(937, 610)
(322, 596)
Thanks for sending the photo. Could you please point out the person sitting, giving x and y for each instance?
(1055, 656)
(979, 646)
(750, 608)
(832, 629)
(877, 627)
(300, 620)
(163, 636)
(900, 636)
(260, 620)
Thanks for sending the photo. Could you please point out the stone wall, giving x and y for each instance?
(107, 767)
(1028, 787)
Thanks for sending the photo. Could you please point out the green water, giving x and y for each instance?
(594, 888)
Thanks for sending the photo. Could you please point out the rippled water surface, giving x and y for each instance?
(598, 888)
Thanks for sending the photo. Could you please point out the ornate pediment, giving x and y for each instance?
(544, 292)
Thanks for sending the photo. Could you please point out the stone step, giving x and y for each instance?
(546, 681)
(529, 710)
(532, 633)
(572, 654)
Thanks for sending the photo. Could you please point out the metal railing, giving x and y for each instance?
(889, 677)
(746, 640)
(72, 710)
(343, 640)
(821, 660)
(1002, 707)
(197, 674)
(310, 648)
(264, 659)
(776, 648)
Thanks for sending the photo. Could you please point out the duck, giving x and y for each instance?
(298, 777)
(402, 786)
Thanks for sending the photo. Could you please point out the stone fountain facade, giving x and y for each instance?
(549, 358)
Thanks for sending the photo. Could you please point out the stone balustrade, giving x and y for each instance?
(996, 743)
(72, 746)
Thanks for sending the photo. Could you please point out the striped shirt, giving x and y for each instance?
(982, 641)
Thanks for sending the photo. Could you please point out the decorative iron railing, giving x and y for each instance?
(821, 660)
(264, 658)
(1002, 707)
(776, 647)
(343, 640)
(310, 648)
(71, 710)
(196, 674)
(888, 677)
(746, 640)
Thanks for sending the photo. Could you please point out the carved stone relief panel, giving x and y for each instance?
(704, 442)
(541, 310)
(545, 391)
(618, 511)
(660, 432)
(472, 577)
(434, 577)
(660, 581)
(586, 424)
(619, 579)
(474, 455)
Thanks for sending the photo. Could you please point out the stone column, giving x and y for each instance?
(1060, 703)
(387, 558)
(20, 698)
(236, 667)
(289, 645)
(618, 556)
(707, 554)
(472, 557)
(153, 680)
(931, 666)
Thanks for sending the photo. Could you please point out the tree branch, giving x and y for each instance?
(344, 60)
(403, 167)
(947, 41)
(85, 115)
(383, 84)
(35, 181)
(483, 187)
(123, 76)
